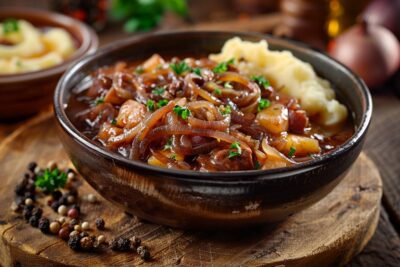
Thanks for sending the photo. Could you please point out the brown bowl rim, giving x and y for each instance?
(89, 44)
(224, 176)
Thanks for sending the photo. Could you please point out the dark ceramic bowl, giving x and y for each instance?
(27, 93)
(189, 199)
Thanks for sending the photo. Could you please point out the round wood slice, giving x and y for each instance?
(327, 234)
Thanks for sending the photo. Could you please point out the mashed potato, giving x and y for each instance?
(29, 49)
(295, 77)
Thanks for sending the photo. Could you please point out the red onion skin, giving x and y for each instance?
(371, 51)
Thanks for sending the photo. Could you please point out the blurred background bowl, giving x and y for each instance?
(27, 93)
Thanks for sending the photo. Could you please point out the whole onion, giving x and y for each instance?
(371, 51)
(385, 13)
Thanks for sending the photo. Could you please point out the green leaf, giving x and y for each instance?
(180, 67)
(173, 156)
(168, 145)
(99, 100)
(264, 103)
(10, 26)
(51, 180)
(177, 6)
(162, 103)
(223, 66)
(260, 80)
(225, 110)
(217, 91)
(292, 151)
(235, 151)
(257, 165)
(150, 105)
(114, 122)
(197, 71)
(139, 70)
(184, 113)
(158, 91)
(132, 25)
(228, 85)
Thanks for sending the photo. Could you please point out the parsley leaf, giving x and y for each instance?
(150, 105)
(139, 70)
(158, 91)
(114, 122)
(217, 91)
(99, 100)
(236, 150)
(225, 110)
(184, 113)
(168, 145)
(223, 66)
(197, 71)
(162, 103)
(292, 151)
(228, 85)
(260, 80)
(10, 26)
(180, 67)
(257, 165)
(173, 156)
(51, 180)
(264, 103)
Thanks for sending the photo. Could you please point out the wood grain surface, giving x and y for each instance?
(327, 234)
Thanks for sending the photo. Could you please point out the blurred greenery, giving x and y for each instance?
(144, 15)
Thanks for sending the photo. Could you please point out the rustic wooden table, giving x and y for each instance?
(382, 146)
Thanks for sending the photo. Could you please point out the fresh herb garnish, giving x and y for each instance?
(162, 103)
(223, 66)
(139, 70)
(292, 151)
(228, 85)
(217, 91)
(184, 113)
(236, 150)
(150, 105)
(51, 180)
(173, 156)
(168, 145)
(99, 100)
(10, 26)
(264, 103)
(225, 110)
(158, 91)
(114, 122)
(180, 67)
(260, 80)
(257, 165)
(197, 71)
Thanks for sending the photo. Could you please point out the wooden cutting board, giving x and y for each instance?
(327, 234)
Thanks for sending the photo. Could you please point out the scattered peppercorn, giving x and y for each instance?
(55, 227)
(63, 200)
(76, 206)
(36, 211)
(56, 194)
(27, 212)
(15, 207)
(62, 220)
(74, 242)
(101, 239)
(32, 166)
(143, 252)
(64, 233)
(100, 224)
(73, 213)
(62, 210)
(92, 198)
(70, 199)
(28, 202)
(86, 243)
(83, 234)
(55, 205)
(85, 226)
(78, 228)
(123, 244)
(135, 242)
(74, 233)
(34, 221)
(44, 225)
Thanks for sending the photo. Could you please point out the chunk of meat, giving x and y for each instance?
(298, 121)
(130, 114)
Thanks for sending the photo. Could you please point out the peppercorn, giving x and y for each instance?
(100, 223)
(32, 165)
(34, 221)
(55, 227)
(85, 226)
(28, 202)
(83, 234)
(56, 194)
(101, 239)
(27, 212)
(36, 211)
(78, 228)
(29, 175)
(15, 207)
(63, 200)
(71, 199)
(120, 244)
(145, 254)
(62, 210)
(55, 205)
(73, 213)
(92, 198)
(64, 233)
(74, 242)
(44, 225)
(30, 195)
(76, 206)
(86, 243)
(74, 233)
(135, 242)
(73, 222)
(71, 176)
(20, 188)
(30, 187)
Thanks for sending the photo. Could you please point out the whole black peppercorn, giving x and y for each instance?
(32, 165)
(76, 206)
(74, 242)
(124, 244)
(86, 243)
(30, 187)
(34, 221)
(20, 188)
(63, 200)
(73, 192)
(36, 211)
(73, 222)
(27, 212)
(55, 205)
(56, 194)
(30, 195)
(44, 225)
(100, 224)
(83, 234)
(114, 244)
(30, 175)
(144, 254)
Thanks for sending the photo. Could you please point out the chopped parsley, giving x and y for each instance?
(235, 151)
(51, 180)
(180, 67)
(158, 91)
(260, 80)
(292, 151)
(99, 100)
(184, 113)
(10, 26)
(228, 85)
(217, 91)
(197, 71)
(114, 121)
(223, 66)
(139, 70)
(162, 103)
(173, 156)
(225, 110)
(257, 165)
(168, 145)
(150, 105)
(264, 103)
